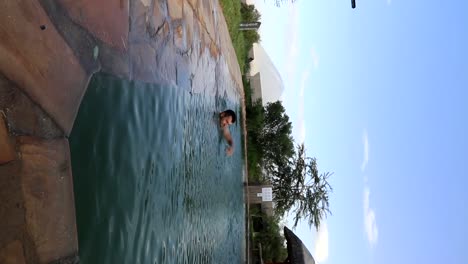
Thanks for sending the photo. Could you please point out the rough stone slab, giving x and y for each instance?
(78, 38)
(159, 22)
(115, 63)
(12, 253)
(206, 11)
(189, 25)
(193, 3)
(140, 15)
(146, 3)
(143, 59)
(175, 8)
(47, 189)
(39, 61)
(11, 205)
(105, 19)
(7, 149)
(214, 51)
(23, 115)
(166, 65)
(166, 28)
(201, 20)
(180, 35)
(207, 40)
(157, 19)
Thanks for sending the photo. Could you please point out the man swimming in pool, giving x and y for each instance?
(226, 118)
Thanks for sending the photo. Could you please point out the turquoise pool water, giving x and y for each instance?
(152, 182)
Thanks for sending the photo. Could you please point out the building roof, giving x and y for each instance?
(271, 82)
(297, 252)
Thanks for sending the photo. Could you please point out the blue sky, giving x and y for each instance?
(379, 95)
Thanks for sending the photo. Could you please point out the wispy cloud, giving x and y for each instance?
(365, 142)
(370, 221)
(321, 244)
(301, 129)
(302, 86)
(294, 75)
(292, 37)
(294, 30)
(304, 78)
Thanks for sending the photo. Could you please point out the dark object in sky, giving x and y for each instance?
(297, 252)
(353, 3)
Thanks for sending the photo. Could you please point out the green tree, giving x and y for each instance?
(299, 187)
(271, 239)
(276, 140)
(254, 150)
(250, 14)
(281, 2)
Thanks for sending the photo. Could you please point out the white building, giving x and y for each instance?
(265, 79)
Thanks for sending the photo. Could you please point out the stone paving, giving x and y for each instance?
(49, 49)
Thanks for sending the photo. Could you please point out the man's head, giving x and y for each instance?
(227, 117)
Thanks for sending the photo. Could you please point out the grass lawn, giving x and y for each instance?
(232, 13)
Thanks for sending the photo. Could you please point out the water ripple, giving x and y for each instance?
(152, 182)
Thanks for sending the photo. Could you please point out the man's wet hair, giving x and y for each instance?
(230, 113)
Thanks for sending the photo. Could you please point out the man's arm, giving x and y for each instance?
(228, 137)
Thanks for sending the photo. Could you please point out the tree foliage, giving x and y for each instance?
(250, 14)
(255, 123)
(269, 134)
(281, 2)
(271, 239)
(276, 139)
(298, 186)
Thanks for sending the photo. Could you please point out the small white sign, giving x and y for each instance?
(267, 195)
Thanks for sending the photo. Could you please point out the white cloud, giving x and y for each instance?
(305, 77)
(365, 142)
(321, 244)
(389, 2)
(315, 58)
(291, 37)
(302, 86)
(370, 221)
(294, 32)
(302, 131)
